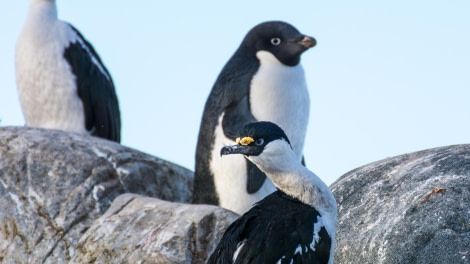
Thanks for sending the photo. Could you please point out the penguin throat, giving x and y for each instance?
(278, 93)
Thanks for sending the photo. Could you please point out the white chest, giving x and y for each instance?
(46, 85)
(230, 177)
(279, 94)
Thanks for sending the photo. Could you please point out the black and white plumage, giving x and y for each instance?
(263, 80)
(295, 224)
(62, 82)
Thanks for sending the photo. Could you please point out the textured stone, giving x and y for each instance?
(54, 184)
(414, 208)
(139, 229)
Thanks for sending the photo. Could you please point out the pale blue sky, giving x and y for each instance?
(386, 78)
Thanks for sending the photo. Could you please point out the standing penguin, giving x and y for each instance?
(262, 81)
(62, 83)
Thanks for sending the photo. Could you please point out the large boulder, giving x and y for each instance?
(413, 208)
(54, 185)
(55, 188)
(138, 229)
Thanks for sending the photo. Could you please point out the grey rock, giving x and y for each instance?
(138, 229)
(414, 208)
(55, 188)
(54, 184)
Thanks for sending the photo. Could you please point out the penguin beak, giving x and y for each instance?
(307, 42)
(237, 149)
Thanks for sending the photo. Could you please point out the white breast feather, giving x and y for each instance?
(279, 94)
(316, 233)
(46, 85)
(230, 177)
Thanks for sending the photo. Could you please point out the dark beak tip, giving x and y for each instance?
(225, 151)
(308, 42)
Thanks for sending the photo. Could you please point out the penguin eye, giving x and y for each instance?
(275, 41)
(259, 142)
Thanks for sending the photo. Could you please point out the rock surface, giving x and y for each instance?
(138, 229)
(413, 208)
(55, 188)
(53, 185)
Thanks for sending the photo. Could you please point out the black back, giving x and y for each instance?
(230, 95)
(272, 230)
(95, 89)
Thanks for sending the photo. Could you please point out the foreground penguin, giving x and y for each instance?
(263, 80)
(296, 223)
(62, 83)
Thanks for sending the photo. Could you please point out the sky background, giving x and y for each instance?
(386, 77)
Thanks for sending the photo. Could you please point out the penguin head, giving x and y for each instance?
(280, 39)
(257, 138)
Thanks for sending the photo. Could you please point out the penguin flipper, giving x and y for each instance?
(255, 177)
(236, 116)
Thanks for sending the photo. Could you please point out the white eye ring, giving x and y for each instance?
(275, 41)
(259, 142)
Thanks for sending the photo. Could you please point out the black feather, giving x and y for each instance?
(271, 231)
(96, 90)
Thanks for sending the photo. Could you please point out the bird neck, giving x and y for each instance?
(42, 10)
(41, 1)
(305, 186)
(284, 169)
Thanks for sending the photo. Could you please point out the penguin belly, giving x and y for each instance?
(230, 176)
(46, 85)
(279, 94)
